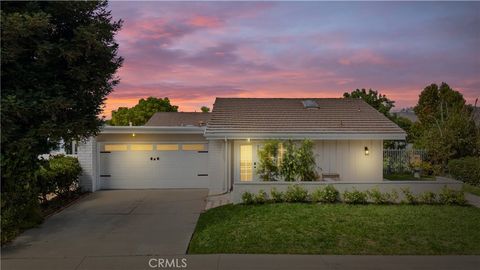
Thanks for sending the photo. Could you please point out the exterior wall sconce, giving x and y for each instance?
(366, 151)
(248, 140)
(133, 134)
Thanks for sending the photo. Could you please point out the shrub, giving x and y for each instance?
(428, 197)
(408, 196)
(277, 196)
(296, 193)
(450, 197)
(354, 197)
(290, 164)
(466, 170)
(248, 198)
(378, 197)
(261, 197)
(325, 195)
(59, 175)
(306, 162)
(267, 163)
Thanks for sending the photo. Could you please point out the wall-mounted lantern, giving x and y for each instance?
(248, 140)
(133, 134)
(366, 151)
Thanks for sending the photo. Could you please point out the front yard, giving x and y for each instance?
(300, 228)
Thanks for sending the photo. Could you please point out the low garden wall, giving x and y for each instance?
(416, 187)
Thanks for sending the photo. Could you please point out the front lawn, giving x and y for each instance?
(338, 229)
(407, 177)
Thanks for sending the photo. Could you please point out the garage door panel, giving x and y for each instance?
(147, 167)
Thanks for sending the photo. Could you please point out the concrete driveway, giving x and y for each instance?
(110, 224)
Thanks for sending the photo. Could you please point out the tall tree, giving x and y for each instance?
(58, 64)
(383, 104)
(139, 114)
(446, 128)
(378, 101)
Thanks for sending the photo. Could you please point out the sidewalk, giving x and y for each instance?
(473, 199)
(251, 262)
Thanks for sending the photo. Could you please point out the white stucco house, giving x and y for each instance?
(218, 150)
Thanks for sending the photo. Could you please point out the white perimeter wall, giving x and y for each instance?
(87, 157)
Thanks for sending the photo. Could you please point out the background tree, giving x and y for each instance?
(383, 104)
(445, 126)
(58, 64)
(142, 112)
(205, 109)
(378, 101)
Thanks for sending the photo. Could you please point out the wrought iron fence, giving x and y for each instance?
(402, 160)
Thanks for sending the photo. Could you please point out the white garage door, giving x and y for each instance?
(153, 165)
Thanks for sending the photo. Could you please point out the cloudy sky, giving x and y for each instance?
(194, 52)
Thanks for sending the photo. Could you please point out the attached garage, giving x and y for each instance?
(170, 164)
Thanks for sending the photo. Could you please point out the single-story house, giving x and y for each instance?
(218, 150)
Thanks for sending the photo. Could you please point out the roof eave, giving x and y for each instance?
(312, 136)
(152, 130)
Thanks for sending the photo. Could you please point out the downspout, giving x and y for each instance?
(226, 166)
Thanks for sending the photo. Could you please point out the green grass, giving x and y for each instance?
(338, 229)
(471, 189)
(407, 177)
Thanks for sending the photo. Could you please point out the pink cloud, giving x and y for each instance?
(204, 21)
(363, 57)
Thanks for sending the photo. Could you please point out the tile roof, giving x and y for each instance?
(288, 115)
(177, 119)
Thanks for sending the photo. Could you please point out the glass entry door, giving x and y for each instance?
(246, 162)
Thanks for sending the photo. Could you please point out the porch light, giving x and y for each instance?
(248, 139)
(133, 134)
(366, 151)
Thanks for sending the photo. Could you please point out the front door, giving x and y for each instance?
(248, 162)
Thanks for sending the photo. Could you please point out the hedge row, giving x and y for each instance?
(466, 170)
(329, 194)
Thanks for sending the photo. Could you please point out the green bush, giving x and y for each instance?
(267, 161)
(428, 197)
(306, 162)
(261, 197)
(378, 197)
(355, 197)
(409, 197)
(248, 198)
(451, 197)
(466, 170)
(59, 175)
(325, 195)
(277, 196)
(290, 164)
(296, 193)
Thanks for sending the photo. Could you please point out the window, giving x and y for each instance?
(115, 147)
(193, 147)
(167, 147)
(141, 147)
(246, 157)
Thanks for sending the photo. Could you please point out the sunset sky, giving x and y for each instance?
(194, 52)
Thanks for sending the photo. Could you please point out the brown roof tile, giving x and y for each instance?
(288, 115)
(178, 119)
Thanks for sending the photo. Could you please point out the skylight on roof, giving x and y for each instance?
(310, 104)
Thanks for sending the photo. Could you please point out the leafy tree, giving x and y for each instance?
(58, 64)
(205, 109)
(306, 162)
(383, 104)
(142, 112)
(267, 163)
(290, 162)
(446, 128)
(378, 101)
